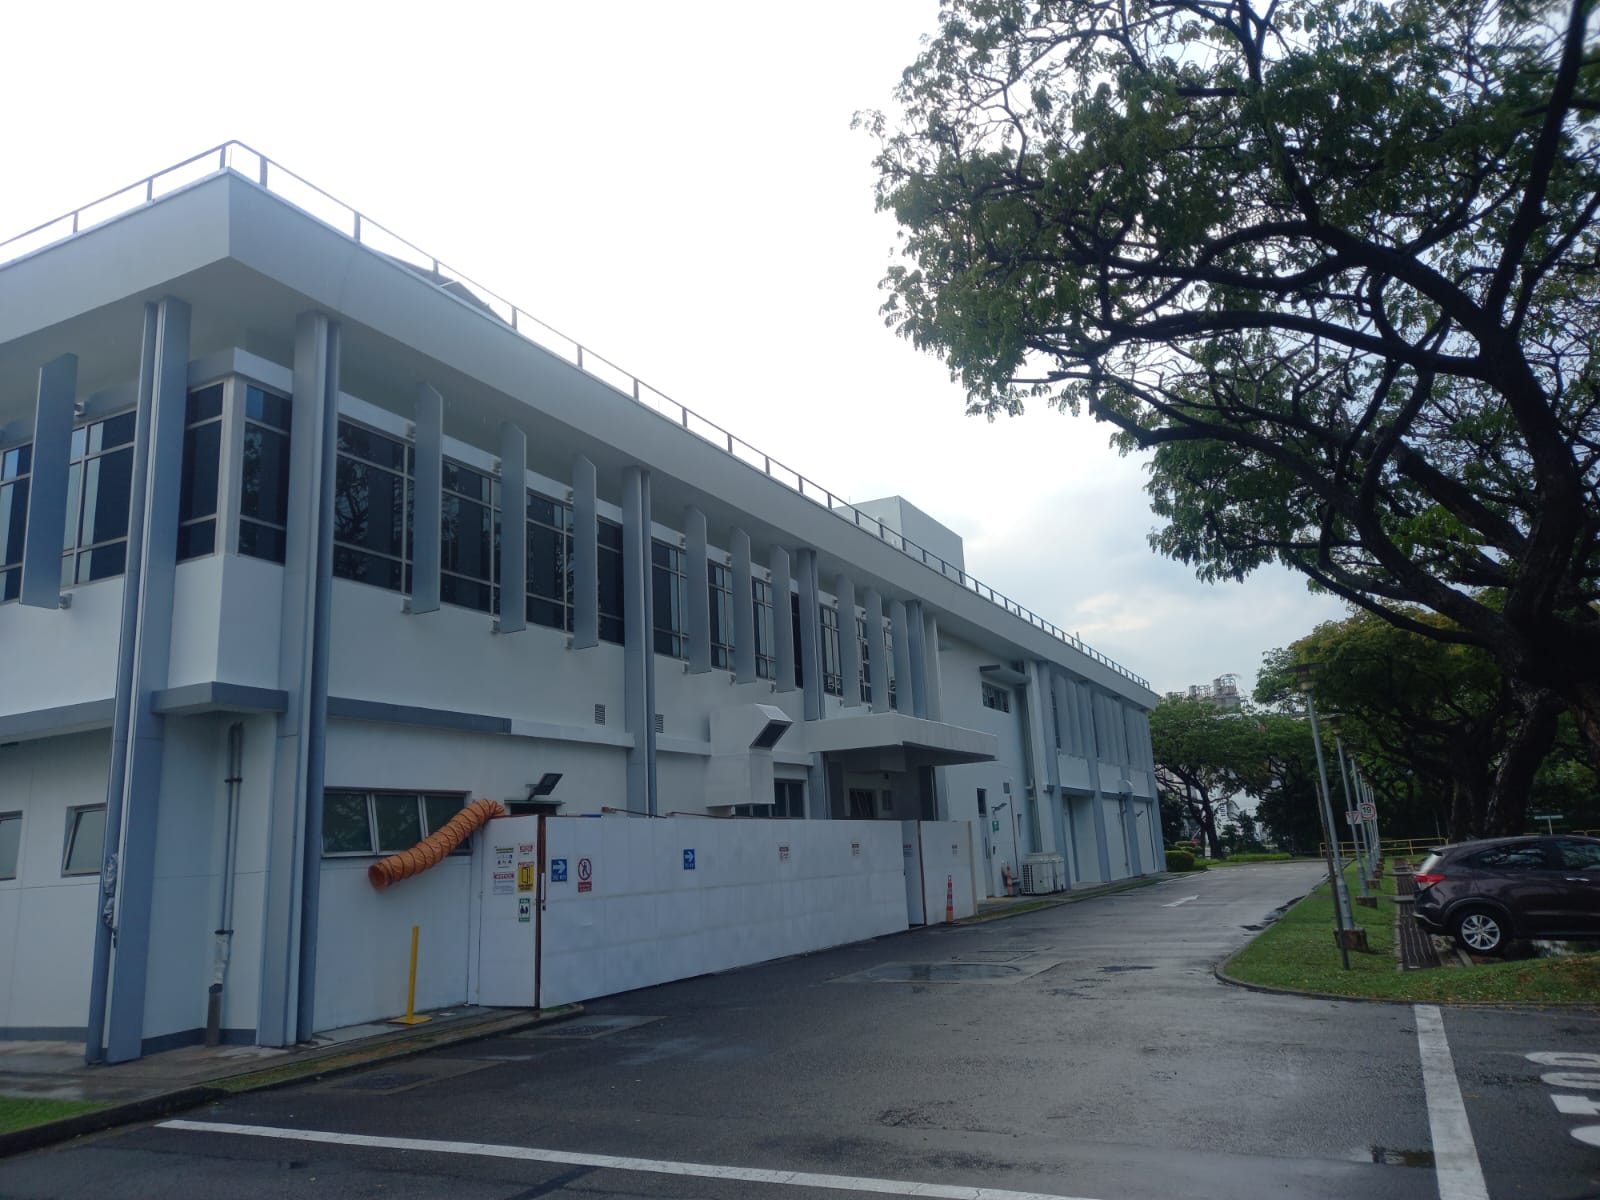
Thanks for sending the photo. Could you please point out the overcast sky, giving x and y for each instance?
(676, 186)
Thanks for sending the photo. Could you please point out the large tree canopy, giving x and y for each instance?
(1335, 262)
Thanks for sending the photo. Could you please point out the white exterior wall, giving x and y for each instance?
(67, 656)
(47, 919)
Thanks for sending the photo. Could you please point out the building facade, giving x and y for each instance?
(303, 544)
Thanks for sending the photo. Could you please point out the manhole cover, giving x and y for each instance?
(391, 1081)
(589, 1027)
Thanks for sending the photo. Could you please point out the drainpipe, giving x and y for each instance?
(224, 934)
(116, 781)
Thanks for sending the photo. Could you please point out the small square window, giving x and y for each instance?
(86, 840)
(10, 843)
(345, 825)
(399, 822)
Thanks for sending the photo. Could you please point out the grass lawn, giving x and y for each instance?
(18, 1112)
(1299, 952)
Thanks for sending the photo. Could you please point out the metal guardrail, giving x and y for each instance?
(251, 164)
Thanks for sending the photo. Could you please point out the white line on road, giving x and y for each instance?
(1185, 900)
(1455, 1155)
(608, 1162)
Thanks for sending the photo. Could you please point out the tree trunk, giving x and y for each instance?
(1529, 743)
(1586, 711)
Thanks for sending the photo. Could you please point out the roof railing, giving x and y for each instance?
(243, 160)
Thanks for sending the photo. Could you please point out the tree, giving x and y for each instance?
(1203, 758)
(1334, 263)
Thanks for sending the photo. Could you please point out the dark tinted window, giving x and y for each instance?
(1581, 856)
(1526, 857)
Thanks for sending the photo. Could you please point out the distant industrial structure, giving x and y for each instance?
(1222, 692)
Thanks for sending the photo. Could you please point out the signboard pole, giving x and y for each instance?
(538, 922)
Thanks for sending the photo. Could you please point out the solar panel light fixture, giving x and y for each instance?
(546, 785)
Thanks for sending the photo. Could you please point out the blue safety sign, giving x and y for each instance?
(688, 860)
(558, 870)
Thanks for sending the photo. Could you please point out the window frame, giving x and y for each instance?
(191, 424)
(995, 697)
(16, 481)
(74, 550)
(70, 837)
(401, 563)
(371, 797)
(669, 580)
(487, 498)
(562, 530)
(766, 650)
(719, 597)
(269, 430)
(16, 865)
(832, 652)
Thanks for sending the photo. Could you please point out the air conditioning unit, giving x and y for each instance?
(1043, 874)
(1038, 875)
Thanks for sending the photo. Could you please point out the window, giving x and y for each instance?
(384, 822)
(549, 562)
(10, 843)
(15, 467)
(866, 661)
(372, 508)
(668, 599)
(761, 602)
(1527, 857)
(1575, 855)
(264, 483)
(719, 585)
(832, 671)
(86, 840)
(609, 561)
(197, 489)
(996, 698)
(798, 642)
(467, 538)
(99, 480)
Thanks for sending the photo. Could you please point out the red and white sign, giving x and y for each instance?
(585, 875)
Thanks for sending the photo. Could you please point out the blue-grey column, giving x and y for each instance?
(637, 640)
(744, 613)
(782, 625)
(699, 595)
(136, 866)
(1040, 704)
(1093, 712)
(877, 653)
(513, 530)
(917, 647)
(849, 644)
(319, 499)
(902, 656)
(646, 511)
(121, 720)
(427, 504)
(1061, 708)
(47, 490)
(585, 556)
(810, 633)
(933, 678)
(294, 833)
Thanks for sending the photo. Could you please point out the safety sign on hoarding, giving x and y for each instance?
(585, 875)
(558, 870)
(688, 860)
(524, 909)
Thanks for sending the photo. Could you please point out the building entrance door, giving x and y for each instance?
(511, 887)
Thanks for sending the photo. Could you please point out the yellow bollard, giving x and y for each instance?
(411, 1017)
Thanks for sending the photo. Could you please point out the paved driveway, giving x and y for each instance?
(1081, 1051)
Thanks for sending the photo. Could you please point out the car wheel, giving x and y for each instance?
(1481, 931)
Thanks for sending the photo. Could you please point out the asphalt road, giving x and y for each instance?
(1082, 1051)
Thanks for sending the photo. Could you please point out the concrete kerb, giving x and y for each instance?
(1017, 906)
(323, 1063)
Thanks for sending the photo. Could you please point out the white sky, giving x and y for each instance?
(677, 187)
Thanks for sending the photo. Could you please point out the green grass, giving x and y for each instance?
(1299, 952)
(18, 1112)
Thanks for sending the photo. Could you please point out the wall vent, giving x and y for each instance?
(599, 714)
(661, 723)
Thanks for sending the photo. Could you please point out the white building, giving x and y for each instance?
(253, 476)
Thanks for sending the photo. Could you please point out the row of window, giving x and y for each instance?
(372, 522)
(81, 850)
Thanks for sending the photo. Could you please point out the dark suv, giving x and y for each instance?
(1487, 893)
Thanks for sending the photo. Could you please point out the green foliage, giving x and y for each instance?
(1358, 336)
(1260, 856)
(1180, 860)
(18, 1112)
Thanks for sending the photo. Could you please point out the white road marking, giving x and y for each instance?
(1455, 1155)
(608, 1162)
(1185, 900)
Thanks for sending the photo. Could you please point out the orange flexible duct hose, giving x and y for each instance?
(435, 846)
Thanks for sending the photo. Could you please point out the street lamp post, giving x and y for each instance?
(1343, 920)
(1358, 828)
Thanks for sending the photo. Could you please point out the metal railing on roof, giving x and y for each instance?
(280, 181)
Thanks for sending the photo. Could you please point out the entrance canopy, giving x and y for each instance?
(913, 740)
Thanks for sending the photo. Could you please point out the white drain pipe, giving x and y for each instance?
(224, 933)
